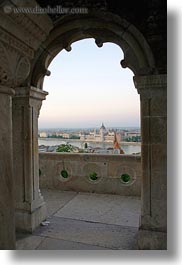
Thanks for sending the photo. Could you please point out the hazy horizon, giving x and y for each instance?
(88, 86)
(88, 127)
(98, 127)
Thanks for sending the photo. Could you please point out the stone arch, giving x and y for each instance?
(151, 85)
(103, 27)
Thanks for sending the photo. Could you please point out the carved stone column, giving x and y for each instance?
(30, 206)
(7, 223)
(153, 224)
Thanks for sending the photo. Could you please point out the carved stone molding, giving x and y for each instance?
(99, 42)
(22, 70)
(3, 75)
(6, 90)
(14, 68)
(29, 96)
(123, 63)
(66, 46)
(30, 92)
(5, 71)
(151, 85)
(13, 42)
(103, 27)
(30, 27)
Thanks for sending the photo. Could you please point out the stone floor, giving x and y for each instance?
(85, 221)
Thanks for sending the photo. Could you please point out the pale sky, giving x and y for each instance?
(88, 86)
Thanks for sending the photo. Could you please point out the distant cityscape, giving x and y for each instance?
(89, 140)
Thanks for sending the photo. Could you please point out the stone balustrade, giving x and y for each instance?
(114, 174)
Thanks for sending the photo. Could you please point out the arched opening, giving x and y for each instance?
(80, 99)
(28, 45)
(138, 57)
(105, 92)
(103, 27)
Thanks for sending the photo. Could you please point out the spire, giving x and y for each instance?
(102, 127)
(116, 144)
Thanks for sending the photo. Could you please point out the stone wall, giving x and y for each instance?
(114, 174)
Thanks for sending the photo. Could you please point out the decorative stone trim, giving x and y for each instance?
(22, 70)
(64, 171)
(14, 68)
(31, 92)
(92, 173)
(149, 81)
(35, 27)
(25, 22)
(103, 27)
(123, 171)
(107, 167)
(5, 71)
(150, 84)
(11, 41)
(7, 90)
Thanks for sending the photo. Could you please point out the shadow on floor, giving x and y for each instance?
(85, 221)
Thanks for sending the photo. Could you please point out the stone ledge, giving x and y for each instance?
(30, 92)
(7, 90)
(90, 156)
(152, 240)
(29, 221)
(150, 81)
(108, 168)
(151, 86)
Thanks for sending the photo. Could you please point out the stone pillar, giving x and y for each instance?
(153, 223)
(7, 223)
(30, 206)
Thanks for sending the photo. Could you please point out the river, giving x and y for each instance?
(128, 148)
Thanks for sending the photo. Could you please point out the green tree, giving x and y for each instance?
(64, 148)
(86, 145)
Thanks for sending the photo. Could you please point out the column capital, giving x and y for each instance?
(7, 90)
(151, 85)
(30, 92)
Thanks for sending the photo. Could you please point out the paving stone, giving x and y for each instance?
(58, 244)
(103, 235)
(28, 242)
(103, 208)
(86, 221)
(56, 199)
